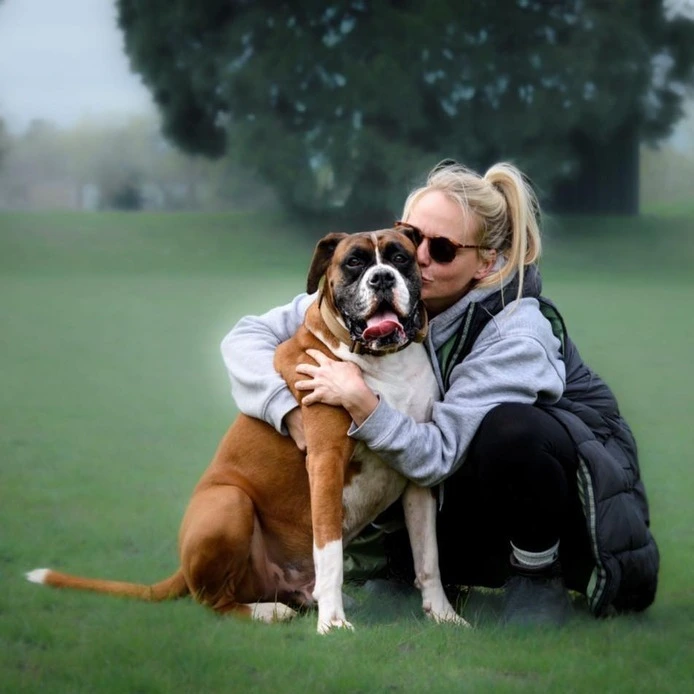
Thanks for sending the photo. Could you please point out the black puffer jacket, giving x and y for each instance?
(625, 555)
(625, 576)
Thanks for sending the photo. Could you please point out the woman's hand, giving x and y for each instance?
(337, 383)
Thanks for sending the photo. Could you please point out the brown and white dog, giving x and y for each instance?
(259, 531)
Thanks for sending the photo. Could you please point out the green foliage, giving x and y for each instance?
(114, 397)
(337, 104)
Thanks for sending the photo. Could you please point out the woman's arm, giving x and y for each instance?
(248, 352)
(523, 368)
(511, 370)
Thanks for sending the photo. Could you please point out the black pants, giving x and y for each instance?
(517, 484)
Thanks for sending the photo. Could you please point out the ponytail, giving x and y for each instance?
(517, 233)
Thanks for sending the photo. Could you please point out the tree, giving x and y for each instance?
(338, 105)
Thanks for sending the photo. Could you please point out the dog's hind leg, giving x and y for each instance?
(215, 545)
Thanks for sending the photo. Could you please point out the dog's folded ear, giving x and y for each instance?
(412, 233)
(322, 257)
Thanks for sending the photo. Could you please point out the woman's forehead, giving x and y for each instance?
(435, 213)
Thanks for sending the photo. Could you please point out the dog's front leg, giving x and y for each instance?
(328, 452)
(420, 518)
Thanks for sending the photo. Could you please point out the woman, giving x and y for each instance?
(538, 476)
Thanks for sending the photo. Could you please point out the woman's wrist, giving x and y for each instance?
(361, 405)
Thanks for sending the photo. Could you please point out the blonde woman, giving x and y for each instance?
(536, 471)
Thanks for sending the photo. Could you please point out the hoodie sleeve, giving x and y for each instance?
(516, 368)
(249, 351)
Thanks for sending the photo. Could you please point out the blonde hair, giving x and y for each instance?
(504, 206)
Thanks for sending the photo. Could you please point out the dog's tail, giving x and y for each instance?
(173, 587)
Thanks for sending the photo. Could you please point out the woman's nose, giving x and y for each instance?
(423, 258)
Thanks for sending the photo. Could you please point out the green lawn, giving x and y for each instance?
(113, 400)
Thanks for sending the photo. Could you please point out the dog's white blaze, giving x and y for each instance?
(374, 239)
(328, 563)
(37, 575)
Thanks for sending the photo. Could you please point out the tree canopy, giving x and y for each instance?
(339, 105)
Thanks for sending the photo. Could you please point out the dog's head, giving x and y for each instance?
(373, 285)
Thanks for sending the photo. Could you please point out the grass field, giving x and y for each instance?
(113, 397)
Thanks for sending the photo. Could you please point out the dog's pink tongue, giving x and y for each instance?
(381, 324)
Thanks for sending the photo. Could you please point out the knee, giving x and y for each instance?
(515, 445)
(511, 427)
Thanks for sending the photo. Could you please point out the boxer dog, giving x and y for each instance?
(266, 524)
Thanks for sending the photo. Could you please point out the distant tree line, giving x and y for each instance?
(339, 105)
(98, 164)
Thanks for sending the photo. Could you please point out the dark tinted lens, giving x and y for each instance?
(441, 249)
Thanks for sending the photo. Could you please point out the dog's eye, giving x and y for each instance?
(354, 262)
(400, 258)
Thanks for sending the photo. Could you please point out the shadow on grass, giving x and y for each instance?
(384, 602)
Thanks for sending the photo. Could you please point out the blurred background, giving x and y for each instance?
(334, 110)
(166, 167)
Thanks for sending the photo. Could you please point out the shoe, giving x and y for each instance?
(535, 597)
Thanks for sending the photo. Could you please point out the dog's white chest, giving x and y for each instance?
(405, 380)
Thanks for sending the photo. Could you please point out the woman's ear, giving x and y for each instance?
(485, 265)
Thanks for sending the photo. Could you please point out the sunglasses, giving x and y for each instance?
(441, 249)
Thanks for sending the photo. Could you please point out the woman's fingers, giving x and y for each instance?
(307, 369)
(330, 381)
(318, 356)
(312, 369)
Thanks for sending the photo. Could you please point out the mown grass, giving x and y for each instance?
(114, 397)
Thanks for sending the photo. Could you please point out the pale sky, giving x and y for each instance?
(63, 60)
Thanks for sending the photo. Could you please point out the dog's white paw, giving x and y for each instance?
(333, 624)
(448, 617)
(271, 612)
(443, 613)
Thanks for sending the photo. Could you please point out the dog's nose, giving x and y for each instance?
(382, 279)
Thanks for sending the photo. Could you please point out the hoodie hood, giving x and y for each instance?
(446, 323)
